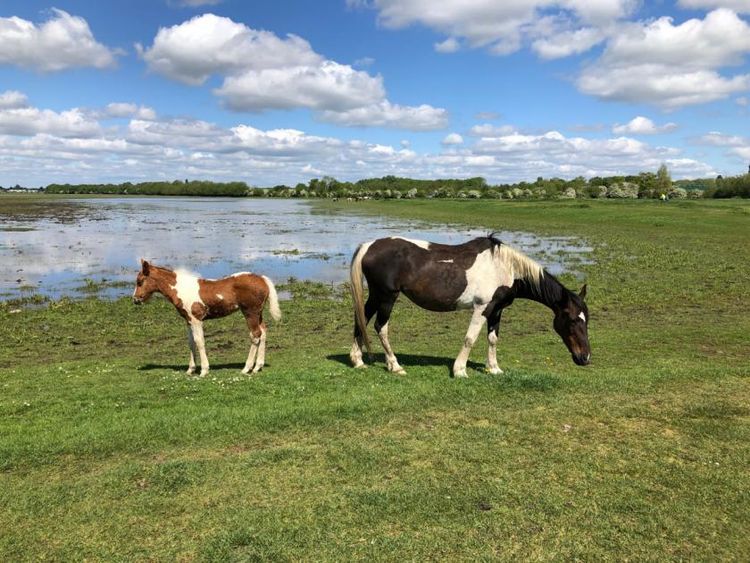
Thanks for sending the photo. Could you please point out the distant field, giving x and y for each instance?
(108, 451)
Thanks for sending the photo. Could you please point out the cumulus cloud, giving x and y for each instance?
(741, 6)
(262, 71)
(386, 114)
(505, 27)
(450, 45)
(671, 65)
(121, 109)
(453, 139)
(42, 146)
(640, 125)
(328, 86)
(64, 41)
(11, 99)
(31, 121)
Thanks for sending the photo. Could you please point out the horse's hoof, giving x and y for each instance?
(460, 373)
(256, 369)
(190, 372)
(494, 371)
(203, 373)
(360, 365)
(246, 371)
(400, 371)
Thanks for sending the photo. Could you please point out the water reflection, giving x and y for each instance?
(53, 245)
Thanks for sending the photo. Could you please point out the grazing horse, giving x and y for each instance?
(483, 275)
(198, 299)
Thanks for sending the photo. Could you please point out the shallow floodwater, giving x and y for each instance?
(55, 247)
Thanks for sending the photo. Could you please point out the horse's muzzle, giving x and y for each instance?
(137, 301)
(582, 359)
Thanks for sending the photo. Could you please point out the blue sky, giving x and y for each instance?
(283, 91)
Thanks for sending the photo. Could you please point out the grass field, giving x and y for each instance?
(108, 451)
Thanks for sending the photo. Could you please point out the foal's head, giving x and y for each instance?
(145, 284)
(571, 323)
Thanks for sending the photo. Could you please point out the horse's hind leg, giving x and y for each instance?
(261, 359)
(381, 326)
(254, 326)
(477, 320)
(355, 354)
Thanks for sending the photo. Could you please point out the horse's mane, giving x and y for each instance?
(523, 267)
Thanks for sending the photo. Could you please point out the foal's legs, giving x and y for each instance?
(257, 335)
(493, 328)
(193, 350)
(200, 343)
(381, 326)
(261, 359)
(477, 320)
(356, 352)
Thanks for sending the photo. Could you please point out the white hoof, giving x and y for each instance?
(190, 371)
(257, 368)
(494, 371)
(360, 365)
(246, 370)
(203, 373)
(460, 373)
(399, 371)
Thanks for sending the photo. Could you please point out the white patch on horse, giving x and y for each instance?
(235, 275)
(447, 261)
(482, 279)
(420, 243)
(220, 296)
(582, 316)
(188, 290)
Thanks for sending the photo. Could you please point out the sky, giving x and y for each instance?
(279, 92)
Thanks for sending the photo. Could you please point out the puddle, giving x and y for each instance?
(77, 247)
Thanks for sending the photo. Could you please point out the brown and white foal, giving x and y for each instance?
(198, 299)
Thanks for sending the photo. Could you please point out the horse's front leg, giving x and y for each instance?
(477, 320)
(193, 350)
(200, 344)
(493, 329)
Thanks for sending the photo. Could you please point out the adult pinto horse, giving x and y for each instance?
(197, 299)
(483, 274)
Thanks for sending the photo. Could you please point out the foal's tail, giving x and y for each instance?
(273, 299)
(355, 273)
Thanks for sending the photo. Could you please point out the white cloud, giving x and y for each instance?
(671, 65)
(640, 125)
(453, 139)
(328, 86)
(30, 121)
(385, 114)
(264, 72)
(566, 43)
(489, 130)
(62, 42)
(718, 139)
(11, 99)
(743, 101)
(450, 45)
(204, 45)
(120, 109)
(504, 27)
(741, 6)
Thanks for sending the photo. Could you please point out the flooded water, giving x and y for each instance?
(59, 247)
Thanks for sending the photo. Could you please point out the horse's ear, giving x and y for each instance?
(582, 293)
(145, 267)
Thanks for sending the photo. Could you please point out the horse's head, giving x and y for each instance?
(145, 284)
(571, 323)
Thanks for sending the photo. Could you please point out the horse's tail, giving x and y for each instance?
(355, 274)
(273, 299)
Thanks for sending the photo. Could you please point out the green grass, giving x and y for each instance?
(108, 451)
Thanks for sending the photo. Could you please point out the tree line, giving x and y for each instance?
(643, 185)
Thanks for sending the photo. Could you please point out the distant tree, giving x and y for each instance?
(663, 180)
